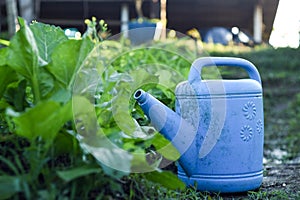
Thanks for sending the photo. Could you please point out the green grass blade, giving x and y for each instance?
(10, 164)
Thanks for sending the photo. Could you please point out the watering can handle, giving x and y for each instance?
(196, 68)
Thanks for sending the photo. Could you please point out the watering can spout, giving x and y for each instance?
(169, 124)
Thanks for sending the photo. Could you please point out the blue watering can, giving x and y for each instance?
(218, 127)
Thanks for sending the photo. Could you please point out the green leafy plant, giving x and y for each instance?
(42, 155)
(45, 156)
(38, 67)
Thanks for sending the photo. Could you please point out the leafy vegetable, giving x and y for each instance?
(47, 38)
(7, 76)
(44, 120)
(67, 107)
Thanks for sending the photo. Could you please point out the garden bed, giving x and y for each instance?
(44, 152)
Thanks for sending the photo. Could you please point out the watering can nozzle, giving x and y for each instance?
(140, 96)
(169, 124)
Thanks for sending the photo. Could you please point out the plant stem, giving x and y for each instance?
(34, 79)
(35, 88)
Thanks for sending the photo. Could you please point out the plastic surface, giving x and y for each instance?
(196, 68)
(218, 128)
(230, 133)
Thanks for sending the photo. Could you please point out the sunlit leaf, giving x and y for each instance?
(23, 54)
(67, 58)
(64, 61)
(47, 38)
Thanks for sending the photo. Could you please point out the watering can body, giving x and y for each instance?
(222, 126)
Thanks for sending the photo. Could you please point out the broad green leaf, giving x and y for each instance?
(15, 95)
(44, 120)
(7, 76)
(65, 143)
(86, 47)
(47, 38)
(64, 61)
(46, 82)
(23, 55)
(22, 22)
(9, 186)
(166, 179)
(67, 58)
(69, 175)
(61, 95)
(3, 56)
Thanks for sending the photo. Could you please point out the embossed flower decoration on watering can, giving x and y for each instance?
(217, 128)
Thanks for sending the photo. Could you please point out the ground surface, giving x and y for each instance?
(282, 176)
(281, 181)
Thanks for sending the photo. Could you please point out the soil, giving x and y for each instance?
(282, 177)
(281, 181)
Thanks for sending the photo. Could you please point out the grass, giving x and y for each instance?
(141, 188)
